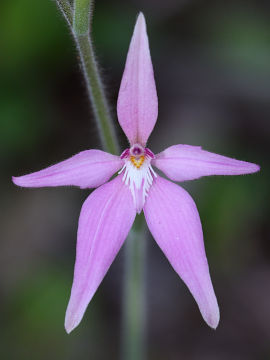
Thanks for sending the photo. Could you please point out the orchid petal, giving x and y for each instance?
(137, 106)
(90, 168)
(174, 222)
(185, 162)
(106, 218)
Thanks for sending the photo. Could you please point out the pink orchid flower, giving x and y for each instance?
(108, 213)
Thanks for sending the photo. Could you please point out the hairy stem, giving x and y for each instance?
(66, 9)
(79, 21)
(96, 93)
(82, 11)
(134, 316)
(82, 36)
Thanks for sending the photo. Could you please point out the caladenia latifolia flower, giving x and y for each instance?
(108, 213)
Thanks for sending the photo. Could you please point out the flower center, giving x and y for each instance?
(138, 173)
(137, 162)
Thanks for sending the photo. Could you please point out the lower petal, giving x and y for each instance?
(174, 222)
(105, 220)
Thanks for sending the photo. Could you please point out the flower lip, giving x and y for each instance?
(138, 173)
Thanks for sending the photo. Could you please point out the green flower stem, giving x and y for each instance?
(81, 32)
(82, 10)
(79, 22)
(66, 9)
(96, 93)
(134, 316)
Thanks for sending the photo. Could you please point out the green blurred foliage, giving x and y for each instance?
(34, 313)
(33, 35)
(240, 35)
(32, 31)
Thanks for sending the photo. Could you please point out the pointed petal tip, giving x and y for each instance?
(213, 321)
(22, 181)
(141, 18)
(250, 168)
(16, 180)
(212, 315)
(68, 330)
(70, 324)
(255, 168)
(140, 26)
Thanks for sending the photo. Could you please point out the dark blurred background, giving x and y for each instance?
(212, 69)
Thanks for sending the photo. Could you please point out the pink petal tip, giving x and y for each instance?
(173, 220)
(137, 105)
(186, 162)
(87, 169)
(105, 220)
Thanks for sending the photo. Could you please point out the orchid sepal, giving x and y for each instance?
(137, 105)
